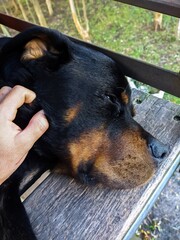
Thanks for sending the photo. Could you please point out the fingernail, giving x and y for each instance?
(43, 121)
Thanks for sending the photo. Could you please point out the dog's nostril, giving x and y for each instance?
(159, 150)
(163, 155)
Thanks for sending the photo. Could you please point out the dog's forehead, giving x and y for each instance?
(91, 65)
(80, 49)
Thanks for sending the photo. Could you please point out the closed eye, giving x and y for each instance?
(111, 98)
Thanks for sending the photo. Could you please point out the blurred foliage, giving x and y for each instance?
(119, 27)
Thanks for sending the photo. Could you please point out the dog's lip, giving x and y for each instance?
(158, 161)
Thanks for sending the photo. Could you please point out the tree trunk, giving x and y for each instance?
(30, 12)
(49, 7)
(5, 31)
(85, 15)
(39, 13)
(178, 30)
(5, 9)
(84, 33)
(15, 6)
(22, 10)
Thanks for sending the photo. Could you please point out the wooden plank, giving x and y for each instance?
(63, 209)
(170, 7)
(15, 23)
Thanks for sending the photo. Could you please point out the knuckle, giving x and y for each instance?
(5, 89)
(24, 92)
(18, 88)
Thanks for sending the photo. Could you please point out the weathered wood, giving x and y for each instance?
(170, 7)
(61, 208)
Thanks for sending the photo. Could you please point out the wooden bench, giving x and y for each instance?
(61, 208)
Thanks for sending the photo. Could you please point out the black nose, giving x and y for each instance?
(158, 149)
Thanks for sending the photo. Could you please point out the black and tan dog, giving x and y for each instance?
(86, 99)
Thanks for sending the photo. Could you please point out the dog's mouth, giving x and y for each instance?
(125, 162)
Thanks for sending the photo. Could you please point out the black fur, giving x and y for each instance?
(66, 75)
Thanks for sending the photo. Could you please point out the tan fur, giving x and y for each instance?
(128, 166)
(86, 147)
(72, 113)
(124, 162)
(34, 49)
(124, 97)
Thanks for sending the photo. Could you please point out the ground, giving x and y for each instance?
(163, 221)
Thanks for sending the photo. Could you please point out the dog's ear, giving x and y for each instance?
(35, 49)
(41, 45)
(50, 48)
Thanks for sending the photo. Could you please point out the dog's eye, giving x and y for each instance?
(115, 104)
(112, 98)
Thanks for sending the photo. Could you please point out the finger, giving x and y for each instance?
(18, 163)
(4, 91)
(35, 129)
(15, 99)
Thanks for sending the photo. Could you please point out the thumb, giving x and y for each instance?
(35, 129)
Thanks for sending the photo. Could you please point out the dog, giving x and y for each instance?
(87, 101)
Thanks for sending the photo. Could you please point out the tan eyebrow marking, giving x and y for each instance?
(124, 97)
(71, 113)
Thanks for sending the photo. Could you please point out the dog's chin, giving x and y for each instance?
(87, 179)
(105, 182)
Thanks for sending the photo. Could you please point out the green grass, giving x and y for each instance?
(128, 30)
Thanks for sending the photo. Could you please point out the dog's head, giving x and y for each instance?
(87, 101)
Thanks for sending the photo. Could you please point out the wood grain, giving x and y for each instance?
(61, 208)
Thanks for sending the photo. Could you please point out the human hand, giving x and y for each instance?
(15, 142)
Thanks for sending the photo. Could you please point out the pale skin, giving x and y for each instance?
(15, 143)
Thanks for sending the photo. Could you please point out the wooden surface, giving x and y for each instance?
(61, 208)
(170, 7)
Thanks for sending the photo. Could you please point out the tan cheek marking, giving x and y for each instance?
(86, 147)
(34, 49)
(136, 162)
(128, 163)
(124, 97)
(72, 113)
(102, 165)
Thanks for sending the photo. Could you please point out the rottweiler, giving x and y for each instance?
(87, 100)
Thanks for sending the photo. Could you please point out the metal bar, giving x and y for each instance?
(169, 7)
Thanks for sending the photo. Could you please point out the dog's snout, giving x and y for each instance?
(158, 149)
